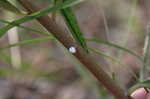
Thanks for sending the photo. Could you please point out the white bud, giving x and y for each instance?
(72, 49)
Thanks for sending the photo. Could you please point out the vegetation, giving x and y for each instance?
(68, 35)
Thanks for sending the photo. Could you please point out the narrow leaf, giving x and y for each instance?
(114, 46)
(27, 42)
(5, 4)
(145, 54)
(105, 55)
(25, 27)
(35, 15)
(143, 84)
(73, 26)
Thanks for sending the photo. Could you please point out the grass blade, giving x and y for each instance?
(73, 26)
(143, 84)
(145, 54)
(25, 27)
(88, 39)
(114, 46)
(5, 4)
(99, 52)
(37, 40)
(35, 15)
(105, 55)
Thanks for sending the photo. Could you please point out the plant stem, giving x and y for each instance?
(86, 59)
(14, 38)
(145, 54)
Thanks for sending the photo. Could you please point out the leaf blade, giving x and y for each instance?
(27, 42)
(114, 46)
(73, 26)
(35, 15)
(5, 4)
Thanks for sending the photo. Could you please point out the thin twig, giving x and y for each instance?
(86, 59)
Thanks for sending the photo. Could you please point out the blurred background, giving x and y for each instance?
(45, 70)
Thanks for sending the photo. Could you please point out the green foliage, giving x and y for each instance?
(5, 4)
(87, 39)
(145, 54)
(35, 15)
(101, 53)
(72, 24)
(114, 46)
(27, 42)
(25, 27)
(143, 84)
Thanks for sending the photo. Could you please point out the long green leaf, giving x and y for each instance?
(143, 84)
(52, 38)
(5, 4)
(114, 46)
(72, 24)
(145, 54)
(88, 39)
(101, 53)
(35, 15)
(27, 42)
(25, 27)
(37, 40)
(105, 55)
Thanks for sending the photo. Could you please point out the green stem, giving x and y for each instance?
(145, 55)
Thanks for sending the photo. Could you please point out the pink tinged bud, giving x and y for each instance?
(140, 93)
